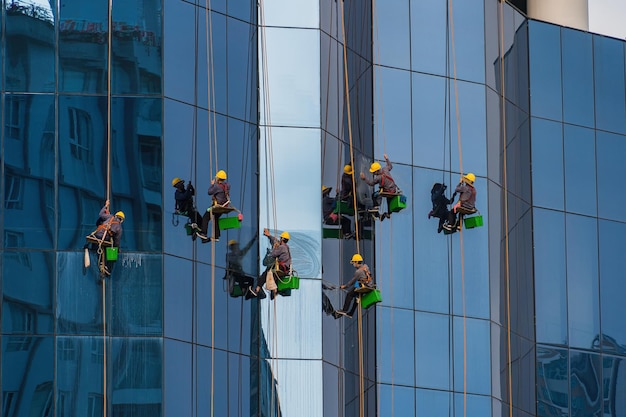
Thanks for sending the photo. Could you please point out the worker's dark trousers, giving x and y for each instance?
(350, 300)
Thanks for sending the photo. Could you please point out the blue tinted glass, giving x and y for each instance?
(178, 374)
(28, 367)
(138, 46)
(545, 70)
(242, 9)
(552, 376)
(30, 52)
(550, 285)
(178, 301)
(286, 13)
(428, 100)
(582, 280)
(83, 46)
(428, 37)
(242, 70)
(179, 63)
(613, 385)
(432, 402)
(472, 342)
(432, 351)
(585, 384)
(29, 140)
(578, 105)
(137, 295)
(392, 325)
(142, 362)
(82, 167)
(610, 150)
(609, 84)
(612, 284)
(136, 170)
(396, 399)
(471, 405)
(391, 34)
(211, 328)
(469, 41)
(547, 160)
(580, 170)
(212, 83)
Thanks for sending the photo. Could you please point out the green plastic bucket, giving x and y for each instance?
(229, 223)
(111, 254)
(371, 298)
(472, 222)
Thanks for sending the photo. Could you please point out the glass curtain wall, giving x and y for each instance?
(578, 126)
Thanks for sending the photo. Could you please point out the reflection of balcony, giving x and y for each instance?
(19, 24)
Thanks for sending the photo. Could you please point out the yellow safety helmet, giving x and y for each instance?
(120, 214)
(356, 258)
(221, 174)
(375, 167)
(176, 181)
(285, 235)
(347, 169)
(325, 189)
(232, 242)
(469, 178)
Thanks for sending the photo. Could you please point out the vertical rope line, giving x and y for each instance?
(209, 56)
(361, 382)
(211, 100)
(347, 91)
(506, 208)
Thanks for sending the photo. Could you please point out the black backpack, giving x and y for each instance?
(438, 199)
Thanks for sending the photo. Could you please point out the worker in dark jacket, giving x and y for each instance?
(234, 265)
(220, 193)
(363, 277)
(109, 226)
(386, 185)
(346, 186)
(184, 202)
(440, 204)
(466, 203)
(281, 253)
(330, 217)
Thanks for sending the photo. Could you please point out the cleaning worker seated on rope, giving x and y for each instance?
(234, 265)
(466, 203)
(386, 185)
(282, 265)
(440, 204)
(362, 278)
(328, 207)
(109, 230)
(345, 194)
(220, 193)
(184, 202)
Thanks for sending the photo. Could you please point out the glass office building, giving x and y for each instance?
(114, 99)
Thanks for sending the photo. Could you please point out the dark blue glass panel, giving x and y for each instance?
(29, 171)
(137, 295)
(393, 327)
(136, 387)
(609, 84)
(242, 70)
(28, 376)
(585, 384)
(395, 399)
(547, 162)
(210, 364)
(137, 169)
(82, 162)
(469, 41)
(610, 150)
(391, 39)
(211, 327)
(612, 285)
(30, 49)
(471, 405)
(613, 385)
(545, 70)
(472, 364)
(431, 146)
(178, 301)
(550, 284)
(27, 286)
(138, 46)
(179, 63)
(177, 374)
(83, 46)
(582, 280)
(242, 9)
(432, 350)
(212, 76)
(432, 403)
(580, 170)
(552, 378)
(578, 100)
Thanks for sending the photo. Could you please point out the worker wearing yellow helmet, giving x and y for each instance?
(183, 196)
(109, 228)
(329, 216)
(386, 185)
(345, 194)
(361, 278)
(235, 273)
(280, 267)
(220, 195)
(466, 203)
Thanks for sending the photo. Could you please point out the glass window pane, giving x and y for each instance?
(552, 378)
(469, 41)
(550, 284)
(609, 84)
(545, 70)
(610, 154)
(391, 34)
(392, 325)
(472, 342)
(578, 104)
(547, 163)
(432, 350)
(585, 384)
(580, 170)
(582, 280)
(428, 37)
(179, 63)
(83, 46)
(612, 284)
(242, 70)
(430, 146)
